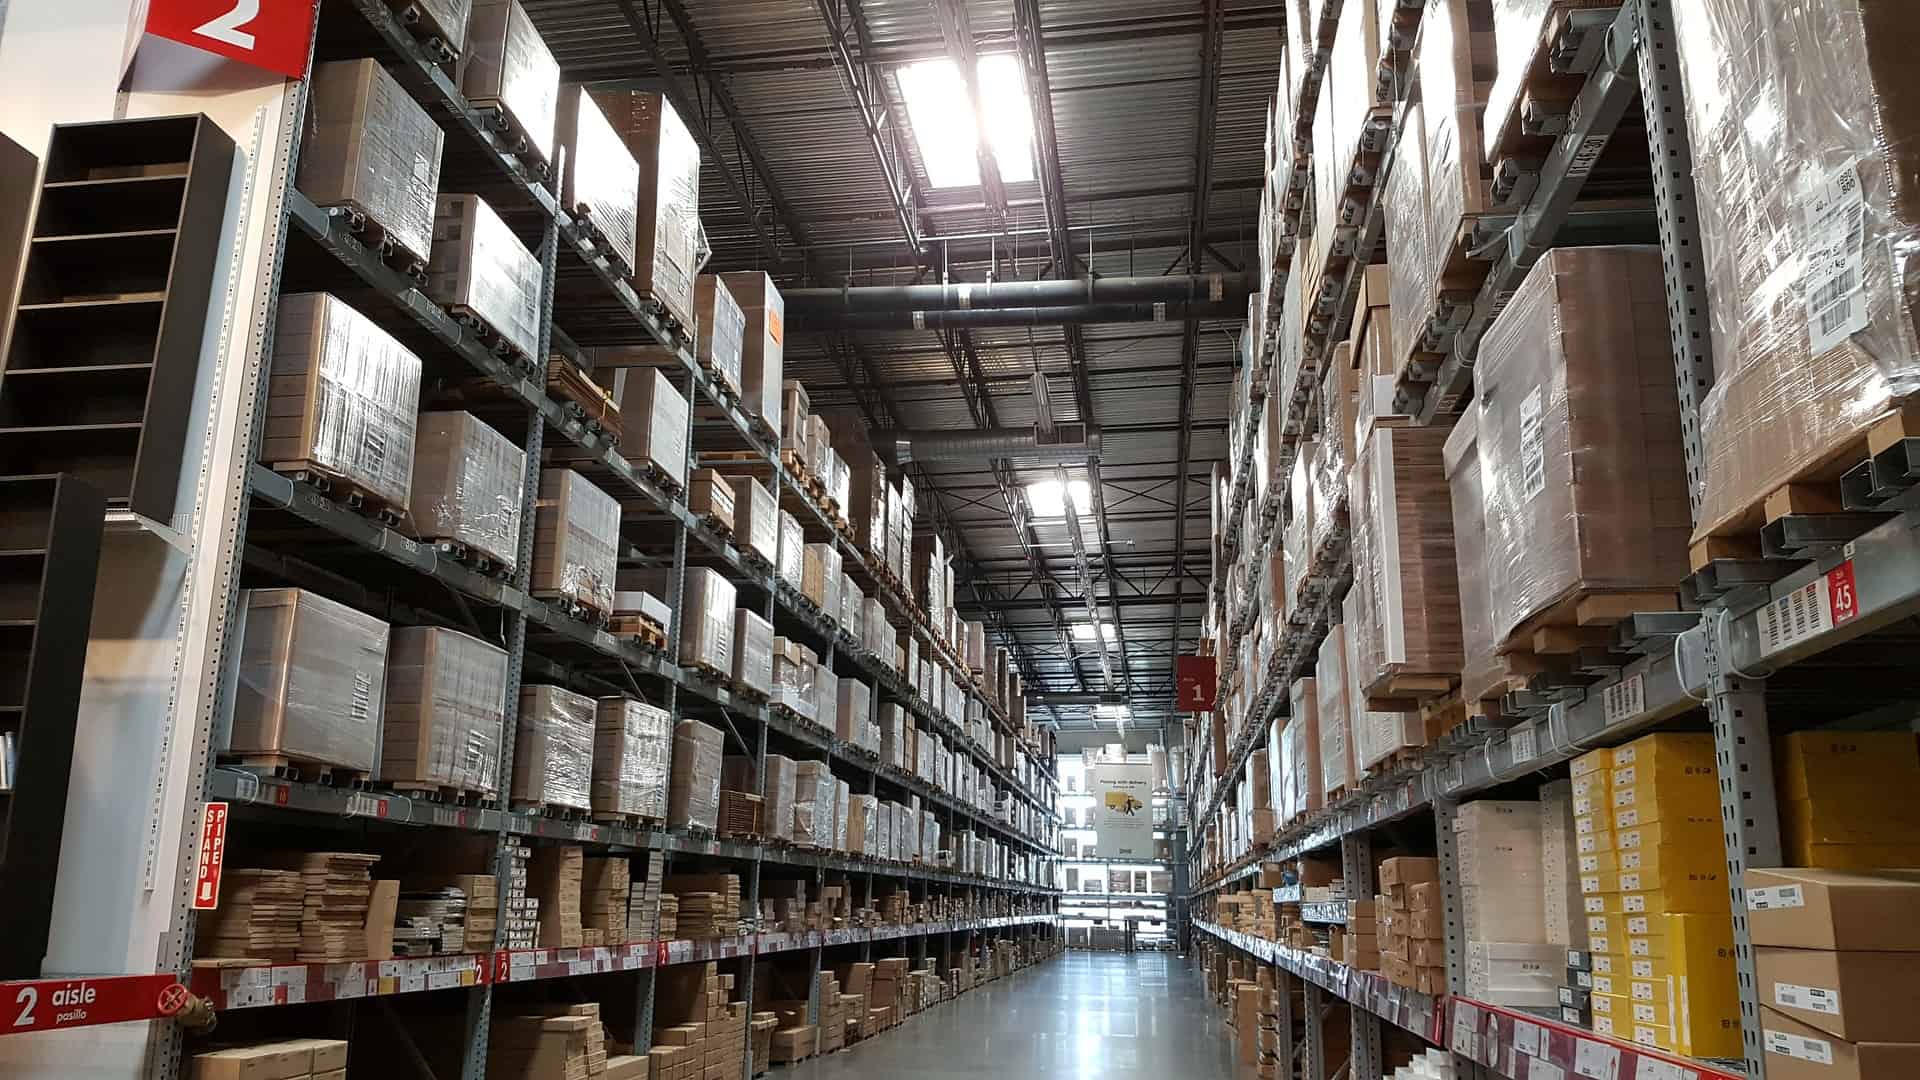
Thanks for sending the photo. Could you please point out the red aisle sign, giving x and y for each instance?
(271, 34)
(1843, 598)
(47, 1004)
(1195, 683)
(213, 855)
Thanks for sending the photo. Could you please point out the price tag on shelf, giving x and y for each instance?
(1466, 1031)
(1597, 1060)
(1540, 1068)
(1522, 741)
(1624, 700)
(1527, 1038)
(1652, 1068)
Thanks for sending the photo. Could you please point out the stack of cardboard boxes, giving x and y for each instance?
(293, 1059)
(1503, 905)
(1655, 895)
(606, 898)
(709, 904)
(1409, 920)
(1849, 800)
(570, 1045)
(887, 989)
(833, 1013)
(697, 1030)
(553, 878)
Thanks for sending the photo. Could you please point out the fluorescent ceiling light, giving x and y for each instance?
(944, 125)
(1085, 632)
(1112, 712)
(1046, 500)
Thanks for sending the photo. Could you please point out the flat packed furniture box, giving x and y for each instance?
(466, 487)
(752, 654)
(508, 66)
(706, 621)
(762, 345)
(654, 416)
(1583, 474)
(722, 326)
(576, 539)
(371, 148)
(553, 748)
(445, 711)
(481, 271)
(311, 682)
(693, 795)
(601, 186)
(756, 519)
(665, 258)
(342, 401)
(1481, 674)
(1406, 640)
(1804, 128)
(631, 741)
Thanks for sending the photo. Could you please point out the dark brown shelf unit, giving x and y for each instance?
(103, 347)
(50, 530)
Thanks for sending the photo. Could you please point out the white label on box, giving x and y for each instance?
(1584, 979)
(1624, 700)
(1623, 777)
(1643, 969)
(1834, 214)
(1643, 1013)
(1524, 743)
(1596, 925)
(1603, 984)
(1810, 998)
(1638, 947)
(1533, 447)
(1642, 991)
(1602, 1025)
(1599, 944)
(1633, 903)
(1594, 905)
(1527, 1038)
(1540, 1068)
(1798, 615)
(1775, 897)
(1648, 1068)
(1639, 925)
(1589, 864)
(1804, 1047)
(1596, 1059)
(1627, 818)
(1630, 882)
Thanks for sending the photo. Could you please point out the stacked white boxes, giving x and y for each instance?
(1509, 960)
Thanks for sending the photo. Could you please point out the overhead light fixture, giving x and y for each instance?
(1116, 713)
(1088, 631)
(1048, 499)
(945, 127)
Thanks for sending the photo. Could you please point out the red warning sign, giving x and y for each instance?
(213, 855)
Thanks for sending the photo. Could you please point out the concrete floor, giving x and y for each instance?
(1111, 1016)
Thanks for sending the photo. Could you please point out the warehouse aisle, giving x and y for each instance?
(1106, 1015)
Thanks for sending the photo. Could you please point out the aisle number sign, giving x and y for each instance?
(276, 35)
(1123, 816)
(1195, 683)
(213, 856)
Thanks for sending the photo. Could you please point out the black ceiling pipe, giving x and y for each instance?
(1041, 316)
(961, 296)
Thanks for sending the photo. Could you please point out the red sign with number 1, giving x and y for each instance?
(275, 36)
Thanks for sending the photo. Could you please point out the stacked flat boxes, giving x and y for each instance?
(294, 1059)
(1849, 800)
(523, 910)
(1654, 892)
(554, 878)
(606, 898)
(571, 1045)
(1509, 960)
(1410, 923)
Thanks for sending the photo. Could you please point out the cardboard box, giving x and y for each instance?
(446, 696)
(693, 793)
(1834, 909)
(336, 656)
(669, 212)
(1797, 1051)
(1857, 996)
(553, 748)
(370, 146)
(601, 185)
(576, 540)
(762, 344)
(466, 485)
(631, 742)
(478, 266)
(507, 64)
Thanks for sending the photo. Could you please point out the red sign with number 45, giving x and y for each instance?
(270, 34)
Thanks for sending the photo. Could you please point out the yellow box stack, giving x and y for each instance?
(1849, 800)
(1654, 891)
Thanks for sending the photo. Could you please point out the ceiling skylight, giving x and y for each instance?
(1045, 498)
(943, 120)
(1085, 632)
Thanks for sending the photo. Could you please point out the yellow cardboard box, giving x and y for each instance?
(1662, 749)
(1594, 761)
(1810, 764)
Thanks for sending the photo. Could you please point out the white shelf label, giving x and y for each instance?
(1524, 744)
(1811, 998)
(1624, 700)
(1806, 1048)
(1540, 1068)
(1597, 1060)
(1648, 1068)
(1803, 613)
(1526, 1038)
(1775, 898)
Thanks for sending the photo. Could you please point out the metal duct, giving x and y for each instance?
(1077, 292)
(1071, 444)
(1042, 316)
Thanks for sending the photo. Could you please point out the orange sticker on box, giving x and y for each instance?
(774, 329)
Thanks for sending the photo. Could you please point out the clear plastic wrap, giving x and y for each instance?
(752, 652)
(631, 743)
(826, 696)
(706, 620)
(1455, 56)
(792, 550)
(893, 734)
(508, 64)
(602, 181)
(839, 480)
(1305, 777)
(444, 19)
(1333, 713)
(445, 711)
(710, 496)
(875, 631)
(311, 679)
(576, 538)
(480, 267)
(1297, 536)
(553, 748)
(1329, 183)
(1480, 667)
(814, 795)
(371, 147)
(852, 604)
(1373, 734)
(693, 794)
(654, 417)
(1411, 281)
(1406, 590)
(762, 343)
(466, 485)
(722, 325)
(793, 676)
(756, 518)
(1349, 78)
(777, 796)
(346, 395)
(669, 213)
(863, 825)
(853, 713)
(842, 797)
(1808, 171)
(820, 576)
(1333, 449)
(1582, 471)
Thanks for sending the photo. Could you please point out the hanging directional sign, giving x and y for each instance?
(274, 35)
(1195, 683)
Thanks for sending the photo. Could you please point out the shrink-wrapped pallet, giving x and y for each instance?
(710, 496)
(752, 653)
(1333, 713)
(601, 187)
(444, 20)
(777, 796)
(311, 680)
(631, 743)
(1304, 780)
(445, 709)
(576, 538)
(693, 792)
(654, 418)
(863, 825)
(343, 399)
(1405, 635)
(826, 696)
(370, 147)
(853, 715)
(466, 486)
(756, 519)
(793, 676)
(1455, 55)
(479, 268)
(1804, 133)
(1297, 534)
(1333, 449)
(762, 344)
(668, 234)
(842, 797)
(721, 327)
(706, 621)
(852, 604)
(508, 66)
(1581, 462)
(1411, 280)
(1375, 731)
(792, 565)
(820, 575)
(814, 796)
(553, 748)
(1481, 672)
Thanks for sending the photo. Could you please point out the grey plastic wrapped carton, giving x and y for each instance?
(601, 186)
(706, 621)
(370, 146)
(693, 797)
(666, 258)
(466, 486)
(311, 681)
(631, 744)
(576, 537)
(445, 711)
(762, 345)
(553, 748)
(508, 66)
(479, 268)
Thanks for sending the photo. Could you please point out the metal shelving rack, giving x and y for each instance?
(1754, 619)
(543, 642)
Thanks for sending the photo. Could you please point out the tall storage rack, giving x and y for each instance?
(292, 533)
(1787, 628)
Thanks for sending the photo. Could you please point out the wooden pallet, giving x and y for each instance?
(1814, 489)
(637, 627)
(484, 563)
(540, 808)
(1539, 88)
(708, 673)
(740, 815)
(341, 489)
(587, 399)
(575, 608)
(1456, 288)
(484, 332)
(1417, 686)
(365, 225)
(300, 769)
(512, 134)
(1584, 619)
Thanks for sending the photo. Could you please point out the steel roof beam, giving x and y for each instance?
(867, 87)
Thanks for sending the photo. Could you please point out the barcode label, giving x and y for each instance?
(1523, 741)
(1624, 700)
(1818, 1051)
(1533, 447)
(1811, 998)
(1798, 615)
(1834, 214)
(1779, 896)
